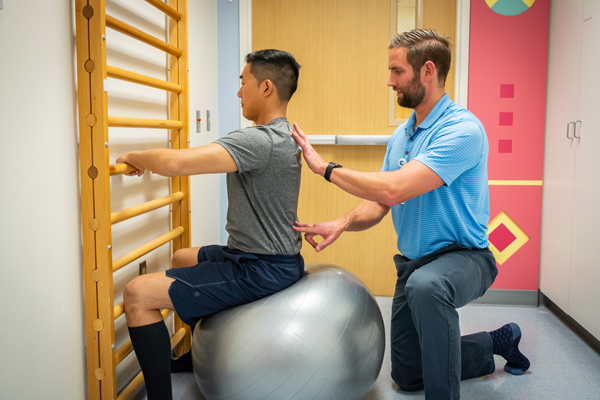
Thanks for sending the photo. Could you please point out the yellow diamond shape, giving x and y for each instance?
(520, 237)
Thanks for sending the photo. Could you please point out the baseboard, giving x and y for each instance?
(500, 297)
(574, 325)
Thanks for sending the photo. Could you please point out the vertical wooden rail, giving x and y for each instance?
(178, 37)
(92, 72)
(95, 198)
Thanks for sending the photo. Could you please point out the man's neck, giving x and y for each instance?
(423, 109)
(268, 116)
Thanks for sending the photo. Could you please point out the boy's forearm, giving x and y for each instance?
(159, 161)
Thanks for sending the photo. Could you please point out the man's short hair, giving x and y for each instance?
(280, 67)
(424, 45)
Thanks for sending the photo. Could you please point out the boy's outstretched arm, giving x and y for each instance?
(209, 159)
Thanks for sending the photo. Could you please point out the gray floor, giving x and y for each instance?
(562, 365)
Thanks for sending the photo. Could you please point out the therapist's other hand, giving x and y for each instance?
(313, 159)
(329, 231)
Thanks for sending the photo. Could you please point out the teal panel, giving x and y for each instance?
(510, 7)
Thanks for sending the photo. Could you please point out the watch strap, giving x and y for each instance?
(330, 168)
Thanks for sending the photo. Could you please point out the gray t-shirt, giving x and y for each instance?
(263, 194)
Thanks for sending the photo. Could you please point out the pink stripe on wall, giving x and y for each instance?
(508, 59)
(509, 56)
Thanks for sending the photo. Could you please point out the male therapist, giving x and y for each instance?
(434, 179)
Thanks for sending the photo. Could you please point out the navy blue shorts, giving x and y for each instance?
(225, 278)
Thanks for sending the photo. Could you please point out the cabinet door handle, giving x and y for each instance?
(568, 125)
(575, 129)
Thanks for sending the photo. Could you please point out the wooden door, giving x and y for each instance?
(342, 47)
(584, 298)
(560, 151)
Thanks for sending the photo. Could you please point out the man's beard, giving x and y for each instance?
(412, 94)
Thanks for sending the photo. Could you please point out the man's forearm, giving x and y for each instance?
(388, 188)
(373, 186)
(366, 215)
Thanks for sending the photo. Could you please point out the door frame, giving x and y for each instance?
(245, 16)
(463, 15)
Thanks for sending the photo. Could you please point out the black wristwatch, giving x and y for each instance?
(330, 168)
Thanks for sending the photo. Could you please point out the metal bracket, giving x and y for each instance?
(198, 120)
(143, 269)
(208, 120)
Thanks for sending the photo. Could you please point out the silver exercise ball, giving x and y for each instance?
(321, 338)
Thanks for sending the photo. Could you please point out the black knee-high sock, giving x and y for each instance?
(153, 350)
(183, 363)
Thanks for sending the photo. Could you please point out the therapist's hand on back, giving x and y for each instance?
(313, 159)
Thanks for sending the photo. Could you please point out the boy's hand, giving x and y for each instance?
(125, 158)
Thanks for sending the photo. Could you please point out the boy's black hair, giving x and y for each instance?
(280, 67)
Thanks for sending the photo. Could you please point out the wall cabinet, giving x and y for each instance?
(570, 266)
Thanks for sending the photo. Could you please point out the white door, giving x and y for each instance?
(560, 151)
(584, 302)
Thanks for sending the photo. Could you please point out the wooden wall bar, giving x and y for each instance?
(178, 37)
(120, 169)
(92, 73)
(127, 122)
(131, 212)
(148, 247)
(167, 9)
(135, 33)
(124, 75)
(95, 198)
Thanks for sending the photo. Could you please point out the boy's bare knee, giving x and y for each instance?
(185, 257)
(178, 258)
(133, 291)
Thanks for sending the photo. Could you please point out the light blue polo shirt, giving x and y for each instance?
(453, 143)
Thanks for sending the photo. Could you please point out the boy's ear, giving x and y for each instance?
(269, 88)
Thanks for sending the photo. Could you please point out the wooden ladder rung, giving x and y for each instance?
(148, 247)
(126, 29)
(119, 310)
(167, 9)
(129, 76)
(120, 169)
(133, 385)
(119, 216)
(127, 122)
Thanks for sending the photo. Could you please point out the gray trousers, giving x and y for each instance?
(426, 347)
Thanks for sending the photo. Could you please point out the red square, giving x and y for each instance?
(507, 91)
(504, 146)
(501, 237)
(506, 119)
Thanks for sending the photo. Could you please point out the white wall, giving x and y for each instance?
(42, 331)
(42, 351)
(203, 96)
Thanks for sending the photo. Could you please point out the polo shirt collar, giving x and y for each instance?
(433, 116)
